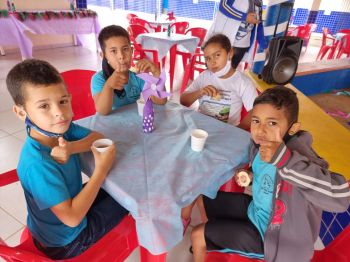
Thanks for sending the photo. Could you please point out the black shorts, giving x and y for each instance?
(228, 225)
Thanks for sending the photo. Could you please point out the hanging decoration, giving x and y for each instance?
(48, 15)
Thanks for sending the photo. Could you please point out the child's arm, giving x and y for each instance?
(188, 98)
(64, 149)
(72, 211)
(104, 99)
(324, 189)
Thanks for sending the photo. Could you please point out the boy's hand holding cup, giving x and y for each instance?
(61, 152)
(104, 151)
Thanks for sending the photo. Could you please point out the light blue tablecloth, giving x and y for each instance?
(157, 174)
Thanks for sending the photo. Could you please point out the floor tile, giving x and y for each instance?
(13, 202)
(15, 239)
(10, 148)
(8, 225)
(10, 123)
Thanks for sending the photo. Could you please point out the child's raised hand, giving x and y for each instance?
(61, 153)
(145, 65)
(118, 79)
(104, 160)
(269, 147)
(251, 18)
(209, 91)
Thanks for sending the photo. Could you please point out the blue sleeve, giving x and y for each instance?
(76, 132)
(97, 82)
(46, 184)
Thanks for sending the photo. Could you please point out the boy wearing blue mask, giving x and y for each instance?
(64, 217)
(220, 90)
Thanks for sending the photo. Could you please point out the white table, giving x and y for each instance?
(163, 43)
(157, 174)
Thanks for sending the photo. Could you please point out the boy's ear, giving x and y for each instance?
(20, 112)
(294, 128)
(101, 54)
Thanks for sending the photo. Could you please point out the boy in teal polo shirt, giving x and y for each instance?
(116, 86)
(64, 217)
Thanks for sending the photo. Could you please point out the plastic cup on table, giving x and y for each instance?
(102, 145)
(140, 105)
(198, 138)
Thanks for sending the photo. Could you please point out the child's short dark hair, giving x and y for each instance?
(31, 71)
(219, 39)
(281, 97)
(111, 31)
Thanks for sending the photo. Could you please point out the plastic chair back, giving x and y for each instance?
(139, 52)
(180, 27)
(344, 46)
(130, 16)
(78, 83)
(199, 32)
(116, 245)
(144, 23)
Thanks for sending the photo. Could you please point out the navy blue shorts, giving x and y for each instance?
(104, 214)
(228, 227)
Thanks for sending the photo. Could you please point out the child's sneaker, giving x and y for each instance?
(185, 223)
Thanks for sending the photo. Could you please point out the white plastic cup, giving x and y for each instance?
(198, 138)
(140, 106)
(102, 145)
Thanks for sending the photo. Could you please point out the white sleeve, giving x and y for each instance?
(248, 92)
(196, 84)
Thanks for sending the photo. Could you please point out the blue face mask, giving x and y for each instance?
(30, 124)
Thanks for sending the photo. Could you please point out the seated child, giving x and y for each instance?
(220, 90)
(116, 85)
(64, 217)
(291, 187)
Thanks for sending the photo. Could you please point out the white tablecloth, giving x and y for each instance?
(157, 174)
(162, 43)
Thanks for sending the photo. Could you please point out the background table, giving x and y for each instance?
(157, 174)
(161, 42)
(12, 30)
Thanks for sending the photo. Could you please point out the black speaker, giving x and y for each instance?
(281, 61)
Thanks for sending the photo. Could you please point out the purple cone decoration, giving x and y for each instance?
(153, 87)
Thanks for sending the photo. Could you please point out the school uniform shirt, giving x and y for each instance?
(236, 91)
(47, 183)
(132, 89)
(259, 210)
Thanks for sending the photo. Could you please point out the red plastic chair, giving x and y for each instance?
(324, 46)
(344, 46)
(303, 32)
(116, 245)
(140, 53)
(195, 31)
(179, 27)
(130, 16)
(144, 23)
(78, 83)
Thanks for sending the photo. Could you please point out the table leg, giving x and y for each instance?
(146, 256)
(172, 65)
(2, 51)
